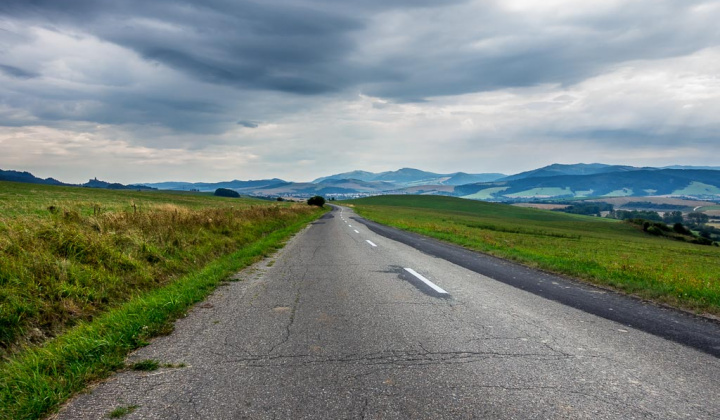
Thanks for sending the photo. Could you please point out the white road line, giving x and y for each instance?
(349, 225)
(370, 242)
(356, 231)
(426, 281)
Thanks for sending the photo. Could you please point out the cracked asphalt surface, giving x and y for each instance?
(332, 327)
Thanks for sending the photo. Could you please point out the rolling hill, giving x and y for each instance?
(639, 182)
(212, 186)
(406, 177)
(558, 169)
(359, 175)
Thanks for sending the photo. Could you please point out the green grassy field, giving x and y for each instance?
(87, 275)
(486, 194)
(602, 251)
(698, 188)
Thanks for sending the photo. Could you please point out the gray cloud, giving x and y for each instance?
(17, 72)
(521, 52)
(192, 67)
(620, 138)
(309, 47)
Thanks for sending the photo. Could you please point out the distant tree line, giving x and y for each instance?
(655, 206)
(678, 231)
(589, 209)
(635, 214)
(691, 228)
(694, 219)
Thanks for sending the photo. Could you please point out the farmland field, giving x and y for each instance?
(486, 194)
(621, 201)
(602, 251)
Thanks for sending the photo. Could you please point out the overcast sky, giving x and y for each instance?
(210, 90)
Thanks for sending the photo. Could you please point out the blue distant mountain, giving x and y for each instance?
(212, 186)
(409, 176)
(711, 168)
(696, 183)
(17, 176)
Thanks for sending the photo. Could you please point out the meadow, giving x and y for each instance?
(605, 252)
(87, 275)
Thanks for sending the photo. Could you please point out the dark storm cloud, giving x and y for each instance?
(316, 48)
(306, 47)
(274, 46)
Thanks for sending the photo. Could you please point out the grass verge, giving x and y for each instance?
(36, 381)
(69, 254)
(602, 251)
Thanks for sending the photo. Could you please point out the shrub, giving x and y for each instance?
(224, 192)
(316, 201)
(654, 230)
(702, 241)
(681, 229)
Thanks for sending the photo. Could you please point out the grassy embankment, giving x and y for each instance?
(602, 251)
(87, 275)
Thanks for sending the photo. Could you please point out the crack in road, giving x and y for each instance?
(291, 319)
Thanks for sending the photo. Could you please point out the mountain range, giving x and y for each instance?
(695, 183)
(558, 169)
(549, 182)
(409, 176)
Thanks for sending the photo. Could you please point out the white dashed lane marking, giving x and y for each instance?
(432, 285)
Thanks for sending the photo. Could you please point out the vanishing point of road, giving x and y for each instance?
(347, 323)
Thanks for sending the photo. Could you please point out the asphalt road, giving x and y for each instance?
(336, 326)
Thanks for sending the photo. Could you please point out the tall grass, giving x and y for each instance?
(63, 261)
(602, 251)
(36, 381)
